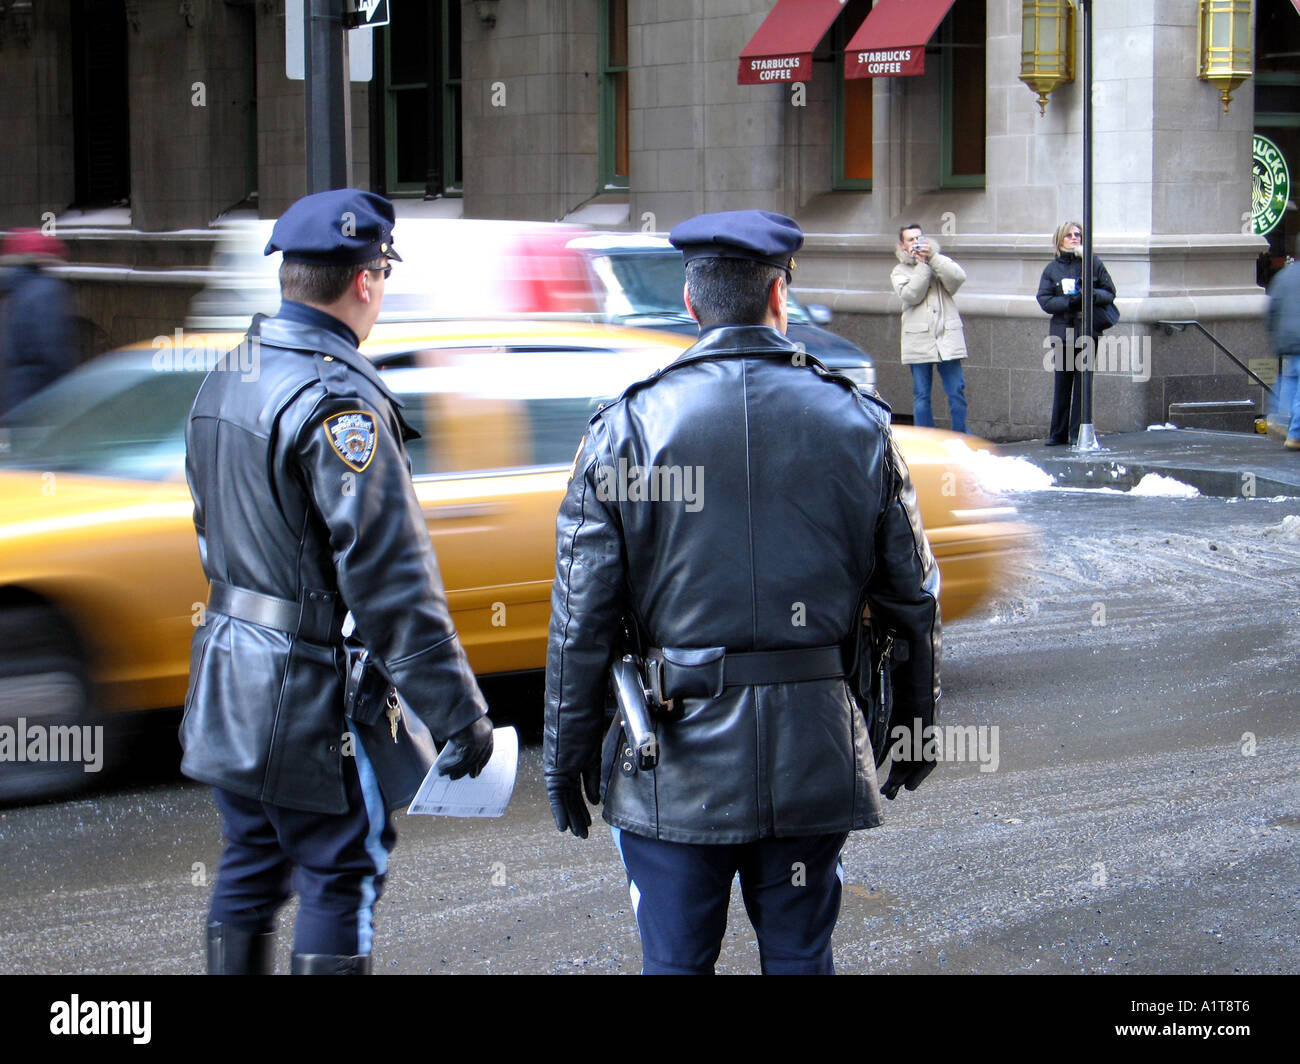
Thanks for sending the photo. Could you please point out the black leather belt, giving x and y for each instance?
(317, 618)
(743, 670)
(782, 666)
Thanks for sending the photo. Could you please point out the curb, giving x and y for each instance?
(1124, 474)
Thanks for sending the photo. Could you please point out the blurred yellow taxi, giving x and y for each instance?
(100, 582)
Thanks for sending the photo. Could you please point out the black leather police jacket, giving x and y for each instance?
(281, 510)
(792, 502)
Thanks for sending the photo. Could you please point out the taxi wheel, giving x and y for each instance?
(46, 743)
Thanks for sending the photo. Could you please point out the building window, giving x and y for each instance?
(1277, 115)
(101, 160)
(452, 144)
(422, 99)
(614, 155)
(962, 37)
(852, 120)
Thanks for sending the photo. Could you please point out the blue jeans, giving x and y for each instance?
(954, 386)
(1288, 394)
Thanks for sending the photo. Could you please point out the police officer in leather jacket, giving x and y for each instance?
(799, 511)
(305, 510)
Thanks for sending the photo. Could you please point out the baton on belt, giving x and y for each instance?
(633, 704)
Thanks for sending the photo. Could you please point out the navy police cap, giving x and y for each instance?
(341, 227)
(760, 236)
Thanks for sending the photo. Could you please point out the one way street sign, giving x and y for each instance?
(366, 13)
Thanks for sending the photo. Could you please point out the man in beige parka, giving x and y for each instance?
(932, 333)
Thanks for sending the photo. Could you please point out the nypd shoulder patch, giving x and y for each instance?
(352, 435)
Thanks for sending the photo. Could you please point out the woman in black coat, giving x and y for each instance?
(1060, 294)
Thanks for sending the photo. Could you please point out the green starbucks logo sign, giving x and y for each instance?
(1271, 185)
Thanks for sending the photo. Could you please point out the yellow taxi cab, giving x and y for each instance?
(100, 582)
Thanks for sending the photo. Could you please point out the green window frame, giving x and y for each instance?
(452, 144)
(614, 152)
(1277, 118)
(445, 74)
(948, 75)
(852, 17)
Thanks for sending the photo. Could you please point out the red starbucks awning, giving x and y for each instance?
(891, 40)
(782, 48)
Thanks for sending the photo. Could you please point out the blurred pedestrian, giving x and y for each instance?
(36, 334)
(932, 334)
(1060, 294)
(1284, 328)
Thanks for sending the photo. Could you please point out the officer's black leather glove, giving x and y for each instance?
(564, 792)
(472, 749)
(907, 774)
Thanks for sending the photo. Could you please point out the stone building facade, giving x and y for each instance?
(629, 114)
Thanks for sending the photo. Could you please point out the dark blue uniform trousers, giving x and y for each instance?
(336, 864)
(681, 892)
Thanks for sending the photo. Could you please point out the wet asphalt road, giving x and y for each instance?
(1144, 814)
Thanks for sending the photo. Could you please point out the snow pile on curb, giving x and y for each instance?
(1000, 474)
(1155, 484)
(1289, 528)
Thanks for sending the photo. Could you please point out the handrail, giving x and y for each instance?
(1170, 326)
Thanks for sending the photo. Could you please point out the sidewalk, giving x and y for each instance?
(1215, 463)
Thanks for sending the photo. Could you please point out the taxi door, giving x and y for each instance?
(499, 429)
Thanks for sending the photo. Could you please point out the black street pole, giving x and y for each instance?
(327, 111)
(1087, 440)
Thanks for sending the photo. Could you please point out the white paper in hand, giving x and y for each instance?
(488, 795)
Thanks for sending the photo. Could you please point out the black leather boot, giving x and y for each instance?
(328, 964)
(232, 951)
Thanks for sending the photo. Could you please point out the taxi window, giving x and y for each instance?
(116, 416)
(506, 408)
(641, 282)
